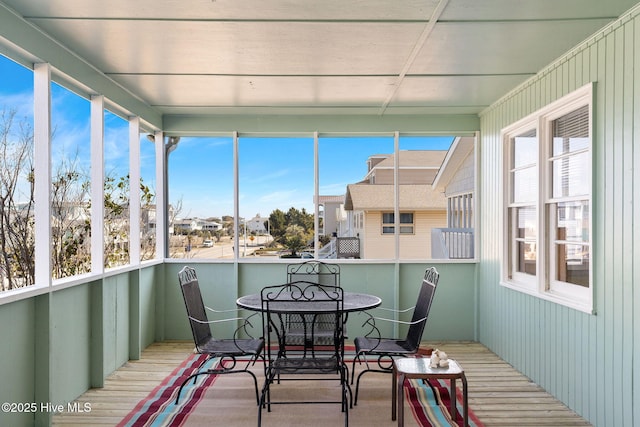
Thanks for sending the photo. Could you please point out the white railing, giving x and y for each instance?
(452, 243)
(328, 251)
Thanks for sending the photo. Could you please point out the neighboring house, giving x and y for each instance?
(256, 225)
(370, 205)
(456, 180)
(149, 216)
(332, 216)
(209, 225)
(185, 225)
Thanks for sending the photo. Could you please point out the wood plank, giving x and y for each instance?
(498, 394)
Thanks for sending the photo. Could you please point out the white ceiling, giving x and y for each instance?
(319, 57)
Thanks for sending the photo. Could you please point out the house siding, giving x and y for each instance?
(464, 179)
(585, 360)
(416, 246)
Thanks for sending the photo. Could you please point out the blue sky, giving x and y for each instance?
(274, 173)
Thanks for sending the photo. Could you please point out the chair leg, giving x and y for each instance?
(194, 376)
(355, 401)
(353, 366)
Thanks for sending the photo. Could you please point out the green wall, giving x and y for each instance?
(17, 354)
(63, 342)
(397, 285)
(587, 361)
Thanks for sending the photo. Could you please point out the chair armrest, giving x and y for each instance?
(246, 324)
(221, 311)
(395, 311)
(216, 321)
(399, 321)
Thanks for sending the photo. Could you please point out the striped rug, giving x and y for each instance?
(159, 408)
(432, 409)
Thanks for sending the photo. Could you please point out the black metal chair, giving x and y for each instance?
(385, 349)
(314, 272)
(232, 351)
(307, 357)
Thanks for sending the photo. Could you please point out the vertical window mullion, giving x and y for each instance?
(42, 172)
(134, 191)
(162, 201)
(316, 196)
(97, 184)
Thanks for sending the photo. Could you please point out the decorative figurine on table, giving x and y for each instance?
(439, 359)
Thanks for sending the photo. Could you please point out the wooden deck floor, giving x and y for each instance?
(498, 394)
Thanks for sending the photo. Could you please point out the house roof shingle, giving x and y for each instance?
(381, 197)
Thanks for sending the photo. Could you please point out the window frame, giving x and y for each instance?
(519, 278)
(391, 225)
(544, 284)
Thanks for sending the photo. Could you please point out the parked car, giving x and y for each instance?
(207, 244)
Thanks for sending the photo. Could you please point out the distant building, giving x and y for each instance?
(370, 205)
(187, 225)
(210, 226)
(332, 215)
(456, 180)
(256, 225)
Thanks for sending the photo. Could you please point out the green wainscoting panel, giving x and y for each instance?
(151, 281)
(455, 293)
(70, 322)
(219, 291)
(452, 315)
(18, 334)
(115, 291)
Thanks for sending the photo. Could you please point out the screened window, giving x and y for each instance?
(148, 190)
(201, 210)
(116, 191)
(70, 184)
(548, 202)
(17, 234)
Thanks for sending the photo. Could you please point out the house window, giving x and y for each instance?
(406, 223)
(547, 202)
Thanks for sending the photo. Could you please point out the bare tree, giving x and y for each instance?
(17, 263)
(148, 233)
(70, 212)
(70, 216)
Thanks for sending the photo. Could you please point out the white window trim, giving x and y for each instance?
(397, 225)
(524, 282)
(541, 286)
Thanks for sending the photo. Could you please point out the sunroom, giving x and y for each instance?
(239, 117)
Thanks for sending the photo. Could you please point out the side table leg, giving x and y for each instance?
(400, 403)
(394, 392)
(465, 401)
(452, 397)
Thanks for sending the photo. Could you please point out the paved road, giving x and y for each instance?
(224, 249)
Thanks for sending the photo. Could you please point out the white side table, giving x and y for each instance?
(410, 367)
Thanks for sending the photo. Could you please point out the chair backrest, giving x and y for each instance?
(194, 304)
(316, 310)
(314, 271)
(422, 308)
